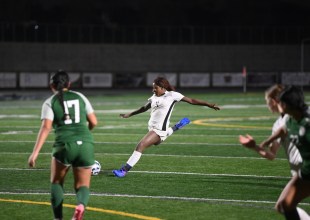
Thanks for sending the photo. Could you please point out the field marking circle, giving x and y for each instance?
(212, 122)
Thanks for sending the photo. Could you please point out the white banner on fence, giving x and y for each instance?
(33, 80)
(75, 77)
(227, 79)
(257, 79)
(295, 78)
(97, 80)
(171, 77)
(8, 80)
(194, 80)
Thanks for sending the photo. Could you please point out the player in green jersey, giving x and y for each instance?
(72, 117)
(297, 129)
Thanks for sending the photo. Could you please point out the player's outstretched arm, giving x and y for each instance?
(142, 109)
(280, 133)
(200, 102)
(249, 142)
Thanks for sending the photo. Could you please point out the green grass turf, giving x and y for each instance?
(200, 172)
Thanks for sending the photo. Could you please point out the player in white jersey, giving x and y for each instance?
(293, 155)
(291, 151)
(161, 105)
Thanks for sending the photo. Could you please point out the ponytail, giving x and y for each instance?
(60, 81)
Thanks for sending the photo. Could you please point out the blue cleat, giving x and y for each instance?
(120, 173)
(182, 123)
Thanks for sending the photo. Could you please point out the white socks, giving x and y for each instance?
(135, 157)
(302, 214)
(169, 131)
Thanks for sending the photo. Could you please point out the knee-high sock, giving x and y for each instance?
(291, 215)
(57, 197)
(303, 214)
(135, 157)
(82, 195)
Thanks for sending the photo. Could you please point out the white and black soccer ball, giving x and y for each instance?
(95, 169)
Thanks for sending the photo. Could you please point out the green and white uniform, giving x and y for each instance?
(299, 134)
(73, 142)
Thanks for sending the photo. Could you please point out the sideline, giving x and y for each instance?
(113, 212)
(206, 122)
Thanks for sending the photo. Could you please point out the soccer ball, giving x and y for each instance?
(95, 169)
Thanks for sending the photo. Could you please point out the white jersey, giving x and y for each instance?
(290, 149)
(161, 109)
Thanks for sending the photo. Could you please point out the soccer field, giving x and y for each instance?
(200, 172)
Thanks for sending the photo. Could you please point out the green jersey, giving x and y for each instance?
(75, 128)
(299, 134)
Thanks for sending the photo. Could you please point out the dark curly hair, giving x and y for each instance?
(164, 83)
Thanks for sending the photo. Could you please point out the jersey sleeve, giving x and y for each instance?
(89, 108)
(47, 111)
(279, 123)
(286, 119)
(150, 99)
(177, 96)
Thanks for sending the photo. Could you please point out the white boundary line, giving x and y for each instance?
(174, 173)
(158, 155)
(155, 197)
(134, 143)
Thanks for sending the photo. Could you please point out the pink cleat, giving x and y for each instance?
(79, 212)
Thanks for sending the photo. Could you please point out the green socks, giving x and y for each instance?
(57, 197)
(82, 195)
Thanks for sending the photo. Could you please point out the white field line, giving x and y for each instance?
(171, 173)
(144, 126)
(19, 116)
(124, 134)
(134, 143)
(16, 132)
(157, 155)
(130, 143)
(181, 198)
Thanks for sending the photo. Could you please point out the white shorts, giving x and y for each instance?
(162, 134)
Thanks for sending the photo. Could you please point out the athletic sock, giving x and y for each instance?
(174, 128)
(135, 157)
(82, 195)
(291, 215)
(302, 214)
(127, 167)
(57, 197)
(170, 131)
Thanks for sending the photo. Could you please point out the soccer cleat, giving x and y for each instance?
(182, 123)
(120, 173)
(78, 213)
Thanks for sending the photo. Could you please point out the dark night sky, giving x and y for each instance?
(159, 12)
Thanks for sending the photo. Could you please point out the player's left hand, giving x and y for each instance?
(215, 107)
(247, 141)
(32, 161)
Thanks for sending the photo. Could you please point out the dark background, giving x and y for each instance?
(158, 12)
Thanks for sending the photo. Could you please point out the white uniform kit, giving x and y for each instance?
(290, 149)
(161, 109)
